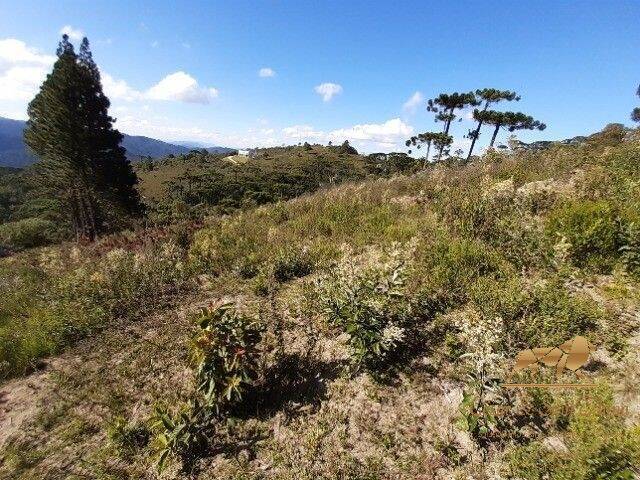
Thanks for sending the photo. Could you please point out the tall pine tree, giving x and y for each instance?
(81, 163)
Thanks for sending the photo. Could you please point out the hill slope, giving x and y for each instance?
(13, 152)
(390, 310)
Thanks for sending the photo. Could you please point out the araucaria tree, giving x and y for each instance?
(439, 140)
(635, 113)
(511, 121)
(444, 107)
(487, 97)
(81, 165)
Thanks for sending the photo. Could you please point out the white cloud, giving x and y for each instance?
(119, 89)
(266, 72)
(328, 90)
(186, 45)
(182, 87)
(302, 132)
(413, 102)
(19, 114)
(389, 135)
(389, 132)
(138, 123)
(74, 33)
(22, 70)
(155, 44)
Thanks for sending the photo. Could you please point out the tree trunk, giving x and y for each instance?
(426, 158)
(476, 134)
(90, 208)
(495, 134)
(446, 131)
(92, 230)
(75, 216)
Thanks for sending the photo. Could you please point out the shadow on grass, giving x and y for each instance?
(293, 383)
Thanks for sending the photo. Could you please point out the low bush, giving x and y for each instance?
(631, 249)
(450, 266)
(369, 305)
(290, 264)
(226, 354)
(543, 314)
(595, 444)
(27, 233)
(594, 231)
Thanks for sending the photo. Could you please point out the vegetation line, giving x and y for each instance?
(549, 385)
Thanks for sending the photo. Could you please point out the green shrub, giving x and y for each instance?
(226, 354)
(184, 435)
(28, 233)
(631, 250)
(594, 231)
(544, 314)
(598, 444)
(450, 267)
(369, 305)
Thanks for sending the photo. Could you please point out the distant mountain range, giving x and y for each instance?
(203, 146)
(14, 153)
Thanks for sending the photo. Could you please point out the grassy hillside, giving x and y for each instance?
(367, 330)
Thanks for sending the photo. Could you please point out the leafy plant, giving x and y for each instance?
(226, 351)
(183, 435)
(482, 338)
(370, 306)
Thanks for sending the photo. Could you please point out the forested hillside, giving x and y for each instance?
(203, 182)
(362, 331)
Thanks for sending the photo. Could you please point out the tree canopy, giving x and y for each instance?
(511, 121)
(488, 96)
(635, 113)
(444, 107)
(437, 139)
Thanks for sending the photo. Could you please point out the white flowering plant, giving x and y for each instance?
(483, 364)
(369, 304)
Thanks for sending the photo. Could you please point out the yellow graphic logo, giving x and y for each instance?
(571, 355)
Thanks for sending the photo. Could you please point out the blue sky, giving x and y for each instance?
(190, 70)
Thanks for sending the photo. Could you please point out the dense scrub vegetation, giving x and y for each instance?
(362, 331)
(201, 182)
